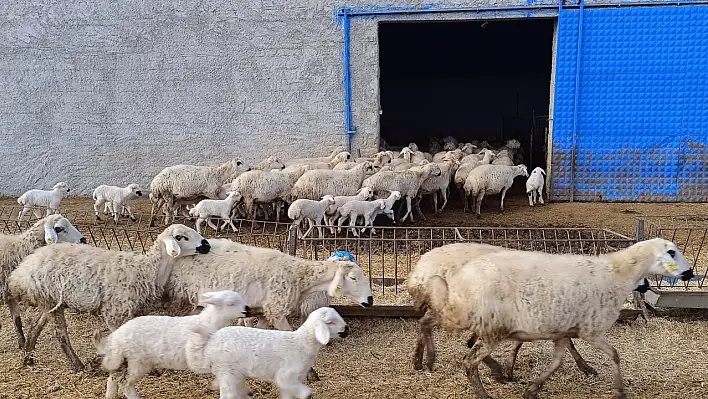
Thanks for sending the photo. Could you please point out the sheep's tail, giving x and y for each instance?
(112, 356)
(21, 200)
(198, 337)
(439, 292)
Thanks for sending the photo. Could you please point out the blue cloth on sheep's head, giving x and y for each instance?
(342, 256)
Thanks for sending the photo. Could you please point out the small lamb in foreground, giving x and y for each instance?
(211, 207)
(284, 358)
(51, 199)
(116, 199)
(149, 342)
(313, 211)
(534, 186)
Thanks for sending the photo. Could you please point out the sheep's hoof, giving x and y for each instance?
(132, 218)
(530, 392)
(28, 360)
(155, 373)
(98, 218)
(312, 376)
(588, 370)
(77, 366)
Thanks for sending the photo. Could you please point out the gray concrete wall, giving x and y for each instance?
(108, 92)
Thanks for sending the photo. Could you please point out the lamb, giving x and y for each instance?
(148, 342)
(233, 354)
(51, 199)
(268, 164)
(190, 181)
(267, 187)
(313, 211)
(13, 248)
(215, 207)
(116, 199)
(331, 156)
(480, 298)
(435, 184)
(314, 184)
(332, 211)
(534, 186)
(407, 183)
(369, 210)
(490, 180)
(119, 285)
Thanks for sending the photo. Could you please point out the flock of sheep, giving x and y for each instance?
(322, 191)
(493, 293)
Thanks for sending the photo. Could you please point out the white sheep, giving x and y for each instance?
(157, 342)
(51, 199)
(116, 199)
(489, 180)
(284, 358)
(469, 163)
(216, 208)
(377, 160)
(259, 187)
(332, 211)
(51, 229)
(369, 210)
(550, 297)
(314, 184)
(438, 184)
(269, 163)
(313, 211)
(326, 159)
(534, 186)
(117, 284)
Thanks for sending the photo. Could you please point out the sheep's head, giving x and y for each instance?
(395, 195)
(513, 143)
(413, 147)
(434, 169)
(328, 199)
(366, 192)
(227, 304)
(181, 240)
(349, 280)
(325, 322)
(61, 187)
(238, 166)
(468, 148)
(135, 189)
(273, 162)
(522, 170)
(343, 156)
(450, 146)
(665, 258)
(405, 153)
(234, 195)
(58, 229)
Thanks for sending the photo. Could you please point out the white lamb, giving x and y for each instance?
(116, 199)
(490, 180)
(313, 211)
(369, 210)
(550, 297)
(332, 211)
(157, 342)
(534, 186)
(215, 208)
(51, 199)
(284, 358)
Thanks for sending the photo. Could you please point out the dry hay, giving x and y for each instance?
(664, 360)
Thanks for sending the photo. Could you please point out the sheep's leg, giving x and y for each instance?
(230, 222)
(579, 361)
(418, 200)
(38, 214)
(97, 206)
(494, 367)
(34, 333)
(503, 195)
(17, 321)
(211, 224)
(512, 361)
(531, 195)
(352, 224)
(435, 203)
(464, 196)
(198, 224)
(117, 209)
(112, 385)
(129, 212)
(63, 336)
(136, 371)
(319, 228)
(340, 223)
(540, 195)
(425, 341)
(170, 205)
(532, 389)
(106, 208)
(22, 213)
(599, 342)
(476, 354)
(478, 204)
(408, 212)
(233, 385)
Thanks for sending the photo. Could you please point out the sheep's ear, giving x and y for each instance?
(322, 332)
(172, 247)
(337, 283)
(50, 236)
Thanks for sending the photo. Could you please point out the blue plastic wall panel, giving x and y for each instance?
(642, 114)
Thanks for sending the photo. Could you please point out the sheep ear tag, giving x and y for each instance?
(50, 236)
(172, 247)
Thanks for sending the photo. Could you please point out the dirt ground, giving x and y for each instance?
(668, 358)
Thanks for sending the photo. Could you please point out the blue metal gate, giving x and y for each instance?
(642, 105)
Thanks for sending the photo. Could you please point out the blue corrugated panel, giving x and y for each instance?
(642, 116)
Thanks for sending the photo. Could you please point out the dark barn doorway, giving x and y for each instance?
(473, 80)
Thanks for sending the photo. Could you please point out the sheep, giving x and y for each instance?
(220, 208)
(233, 354)
(190, 181)
(14, 248)
(407, 183)
(116, 199)
(267, 187)
(480, 297)
(117, 284)
(269, 163)
(503, 158)
(314, 184)
(313, 211)
(534, 186)
(378, 160)
(148, 342)
(369, 210)
(342, 157)
(51, 199)
(332, 211)
(434, 145)
(490, 180)
(468, 164)
(440, 156)
(435, 184)
(331, 156)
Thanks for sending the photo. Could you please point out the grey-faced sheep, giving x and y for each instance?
(51, 199)
(315, 184)
(490, 180)
(119, 285)
(550, 297)
(52, 229)
(116, 199)
(534, 186)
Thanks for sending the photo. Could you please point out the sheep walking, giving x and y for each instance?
(332, 211)
(534, 186)
(50, 199)
(369, 210)
(313, 211)
(315, 184)
(149, 342)
(116, 199)
(117, 284)
(490, 180)
(284, 358)
(480, 297)
(213, 207)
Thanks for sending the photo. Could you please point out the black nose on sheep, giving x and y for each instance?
(687, 275)
(246, 310)
(68, 189)
(369, 302)
(204, 248)
(345, 333)
(83, 240)
(139, 193)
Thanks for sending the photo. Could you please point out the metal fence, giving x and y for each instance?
(689, 233)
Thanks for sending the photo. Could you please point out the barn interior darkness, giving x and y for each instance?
(473, 80)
